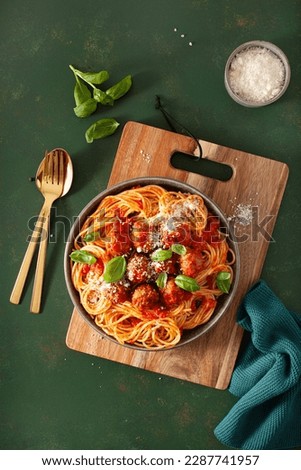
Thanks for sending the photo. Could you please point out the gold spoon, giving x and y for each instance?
(68, 176)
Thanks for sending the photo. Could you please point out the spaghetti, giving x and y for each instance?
(147, 263)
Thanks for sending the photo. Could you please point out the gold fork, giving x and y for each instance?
(52, 184)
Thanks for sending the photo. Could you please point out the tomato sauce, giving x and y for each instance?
(155, 313)
(119, 240)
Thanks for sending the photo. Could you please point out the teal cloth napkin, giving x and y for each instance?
(266, 378)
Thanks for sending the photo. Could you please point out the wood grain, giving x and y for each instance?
(256, 181)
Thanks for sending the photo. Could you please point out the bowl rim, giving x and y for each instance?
(173, 184)
(267, 45)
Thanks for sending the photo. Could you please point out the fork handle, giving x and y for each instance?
(27, 260)
(40, 268)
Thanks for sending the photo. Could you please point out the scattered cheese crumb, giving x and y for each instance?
(242, 214)
(146, 156)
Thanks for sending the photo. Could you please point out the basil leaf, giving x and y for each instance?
(81, 92)
(223, 281)
(115, 269)
(161, 280)
(82, 256)
(86, 108)
(120, 89)
(187, 283)
(179, 249)
(161, 255)
(95, 78)
(91, 237)
(102, 98)
(101, 129)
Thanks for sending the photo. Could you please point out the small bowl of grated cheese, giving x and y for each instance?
(257, 73)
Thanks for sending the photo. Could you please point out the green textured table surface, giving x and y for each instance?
(55, 398)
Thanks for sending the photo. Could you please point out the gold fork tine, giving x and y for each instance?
(61, 167)
(46, 169)
(55, 172)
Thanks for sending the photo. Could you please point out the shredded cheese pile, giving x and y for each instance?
(256, 74)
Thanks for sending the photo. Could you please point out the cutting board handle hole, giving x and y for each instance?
(202, 166)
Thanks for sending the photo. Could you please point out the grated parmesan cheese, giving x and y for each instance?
(256, 74)
(146, 156)
(242, 214)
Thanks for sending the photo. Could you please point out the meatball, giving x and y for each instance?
(146, 235)
(173, 295)
(119, 241)
(168, 266)
(175, 231)
(138, 268)
(141, 236)
(191, 263)
(145, 296)
(115, 292)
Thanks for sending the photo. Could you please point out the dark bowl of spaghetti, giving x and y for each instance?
(151, 263)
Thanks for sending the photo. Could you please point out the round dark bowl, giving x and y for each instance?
(224, 301)
(258, 45)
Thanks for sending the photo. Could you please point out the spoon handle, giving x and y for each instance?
(40, 268)
(24, 269)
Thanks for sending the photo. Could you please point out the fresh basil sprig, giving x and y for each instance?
(83, 256)
(86, 104)
(115, 269)
(100, 129)
(223, 281)
(83, 95)
(187, 283)
(88, 95)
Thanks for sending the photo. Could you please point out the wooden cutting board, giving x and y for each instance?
(257, 184)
